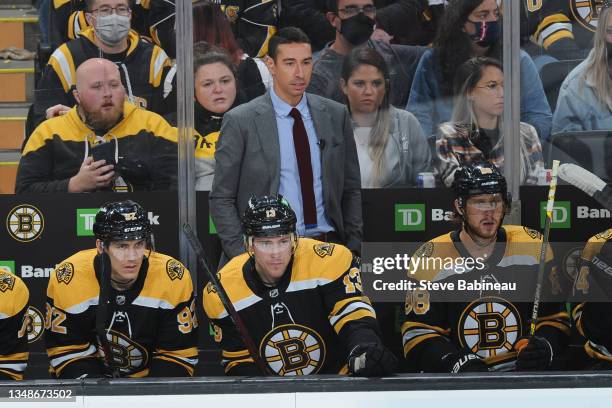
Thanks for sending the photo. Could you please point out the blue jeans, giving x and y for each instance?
(44, 9)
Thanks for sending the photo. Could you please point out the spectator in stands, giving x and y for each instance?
(211, 26)
(585, 98)
(103, 143)
(215, 92)
(470, 28)
(410, 22)
(474, 133)
(289, 142)
(68, 19)
(142, 65)
(391, 147)
(354, 24)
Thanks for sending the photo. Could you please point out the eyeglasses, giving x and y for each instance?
(493, 86)
(486, 205)
(351, 11)
(273, 246)
(106, 11)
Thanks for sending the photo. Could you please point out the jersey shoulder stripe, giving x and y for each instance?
(73, 285)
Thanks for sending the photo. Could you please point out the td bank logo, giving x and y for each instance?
(8, 266)
(410, 217)
(85, 221)
(561, 215)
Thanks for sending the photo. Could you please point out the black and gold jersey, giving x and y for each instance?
(67, 19)
(14, 296)
(306, 324)
(150, 328)
(142, 68)
(594, 282)
(485, 318)
(551, 22)
(144, 143)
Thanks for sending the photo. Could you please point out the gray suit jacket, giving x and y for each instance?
(248, 162)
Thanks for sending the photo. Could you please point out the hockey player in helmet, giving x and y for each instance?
(479, 329)
(301, 301)
(121, 309)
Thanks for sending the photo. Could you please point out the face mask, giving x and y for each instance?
(357, 29)
(487, 33)
(111, 30)
(609, 46)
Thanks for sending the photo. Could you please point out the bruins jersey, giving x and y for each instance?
(594, 281)
(14, 296)
(67, 19)
(486, 320)
(142, 68)
(306, 324)
(150, 328)
(143, 141)
(551, 22)
(254, 22)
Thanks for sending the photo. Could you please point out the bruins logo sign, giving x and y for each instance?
(25, 223)
(586, 13)
(324, 249)
(64, 273)
(293, 349)
(489, 326)
(7, 281)
(35, 325)
(126, 355)
(175, 269)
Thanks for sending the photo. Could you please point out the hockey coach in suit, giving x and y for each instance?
(293, 143)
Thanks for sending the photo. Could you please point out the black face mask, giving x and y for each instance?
(487, 32)
(357, 29)
(609, 46)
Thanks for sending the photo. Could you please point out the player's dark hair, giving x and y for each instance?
(287, 35)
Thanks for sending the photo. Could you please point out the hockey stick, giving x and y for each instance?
(587, 182)
(542, 266)
(229, 307)
(102, 315)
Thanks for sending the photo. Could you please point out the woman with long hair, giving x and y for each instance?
(391, 147)
(470, 28)
(475, 133)
(585, 98)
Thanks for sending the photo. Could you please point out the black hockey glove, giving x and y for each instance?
(371, 360)
(463, 362)
(537, 355)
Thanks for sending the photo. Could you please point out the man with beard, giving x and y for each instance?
(354, 22)
(143, 66)
(103, 143)
(480, 327)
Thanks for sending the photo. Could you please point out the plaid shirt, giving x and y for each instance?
(455, 147)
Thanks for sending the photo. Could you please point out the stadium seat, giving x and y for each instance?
(552, 76)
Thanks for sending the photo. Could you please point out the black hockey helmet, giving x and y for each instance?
(479, 178)
(268, 216)
(122, 221)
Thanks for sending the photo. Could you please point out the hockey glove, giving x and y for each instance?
(463, 362)
(537, 355)
(371, 360)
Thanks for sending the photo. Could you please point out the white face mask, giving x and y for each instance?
(113, 29)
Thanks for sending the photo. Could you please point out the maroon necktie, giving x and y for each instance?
(302, 152)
